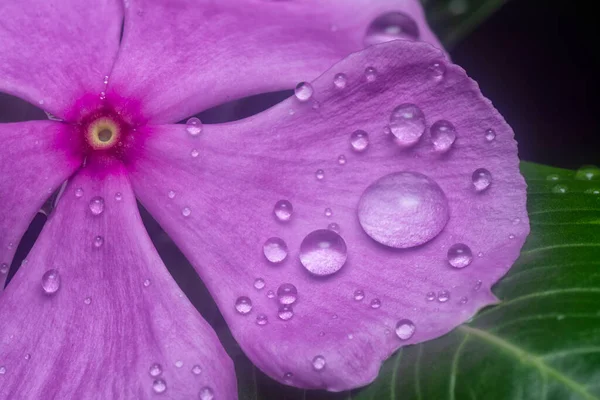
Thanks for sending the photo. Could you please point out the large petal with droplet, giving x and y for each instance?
(219, 208)
(54, 52)
(114, 313)
(36, 158)
(180, 57)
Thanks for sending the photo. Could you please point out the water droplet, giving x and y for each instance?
(459, 255)
(287, 294)
(288, 376)
(194, 153)
(178, 363)
(511, 236)
(443, 135)
(490, 135)
(259, 284)
(193, 126)
(391, 26)
(2, 370)
(155, 370)
(146, 282)
(196, 370)
(587, 173)
(261, 319)
(323, 252)
(477, 286)
(320, 174)
(283, 210)
(51, 281)
(102, 95)
(407, 124)
(275, 250)
(443, 296)
(105, 79)
(97, 205)
(359, 295)
(340, 80)
(328, 212)
(405, 329)
(243, 305)
(304, 91)
(592, 191)
(359, 140)
(552, 177)
(318, 363)
(370, 74)
(186, 211)
(437, 70)
(464, 300)
(430, 296)
(342, 160)
(87, 301)
(375, 303)
(118, 196)
(4, 268)
(403, 209)
(482, 179)
(334, 227)
(98, 241)
(27, 357)
(270, 294)
(159, 386)
(560, 189)
(285, 312)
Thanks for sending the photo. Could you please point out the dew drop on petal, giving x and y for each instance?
(403, 209)
(2, 370)
(146, 282)
(430, 296)
(259, 284)
(78, 192)
(370, 74)
(375, 303)
(193, 126)
(443, 296)
(288, 376)
(391, 26)
(464, 300)
(443, 135)
(405, 329)
(283, 210)
(477, 286)
(262, 320)
(155, 370)
(303, 91)
(482, 179)
(178, 363)
(159, 386)
(206, 393)
(287, 293)
(342, 160)
(194, 153)
(171, 194)
(270, 294)
(340, 80)
(243, 305)
(275, 250)
(320, 174)
(334, 227)
(285, 312)
(186, 211)
(359, 295)
(323, 252)
(98, 241)
(587, 173)
(196, 370)
(318, 363)
(552, 177)
(118, 196)
(87, 301)
(437, 70)
(490, 135)
(407, 123)
(459, 255)
(359, 140)
(560, 189)
(51, 281)
(328, 212)
(3, 269)
(97, 205)
(27, 357)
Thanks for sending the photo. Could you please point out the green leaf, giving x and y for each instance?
(452, 20)
(542, 341)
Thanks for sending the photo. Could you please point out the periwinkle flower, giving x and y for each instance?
(95, 314)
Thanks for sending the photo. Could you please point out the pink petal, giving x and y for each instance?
(36, 158)
(54, 52)
(179, 58)
(116, 312)
(219, 208)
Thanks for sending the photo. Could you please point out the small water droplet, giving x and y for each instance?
(490, 135)
(320, 174)
(370, 74)
(193, 126)
(259, 284)
(283, 210)
(459, 255)
(323, 252)
(51, 281)
(443, 135)
(405, 329)
(87, 301)
(407, 123)
(178, 363)
(359, 140)
(587, 173)
(98, 241)
(359, 295)
(464, 300)
(186, 211)
(482, 179)
(159, 386)
(262, 319)
(350, 336)
(243, 305)
(391, 26)
(430, 296)
(443, 296)
(194, 153)
(2, 370)
(592, 191)
(287, 293)
(437, 70)
(552, 177)
(340, 80)
(118, 196)
(27, 357)
(334, 227)
(102, 95)
(275, 250)
(105, 79)
(303, 91)
(155, 370)
(342, 160)
(288, 376)
(477, 285)
(511, 236)
(375, 303)
(328, 212)
(4, 268)
(96, 205)
(196, 370)
(560, 189)
(146, 282)
(270, 294)
(285, 312)
(318, 363)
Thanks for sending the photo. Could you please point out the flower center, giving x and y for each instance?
(103, 133)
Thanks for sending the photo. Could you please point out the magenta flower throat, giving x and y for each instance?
(372, 210)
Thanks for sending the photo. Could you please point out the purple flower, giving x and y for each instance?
(372, 210)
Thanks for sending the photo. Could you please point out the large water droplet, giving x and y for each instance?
(51, 281)
(275, 250)
(359, 140)
(403, 209)
(318, 363)
(391, 26)
(155, 370)
(323, 252)
(262, 320)
(243, 305)
(97, 205)
(459, 255)
(340, 80)
(159, 386)
(285, 312)
(407, 124)
(259, 284)
(482, 179)
(193, 126)
(287, 293)
(304, 91)
(443, 135)
(405, 329)
(283, 210)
